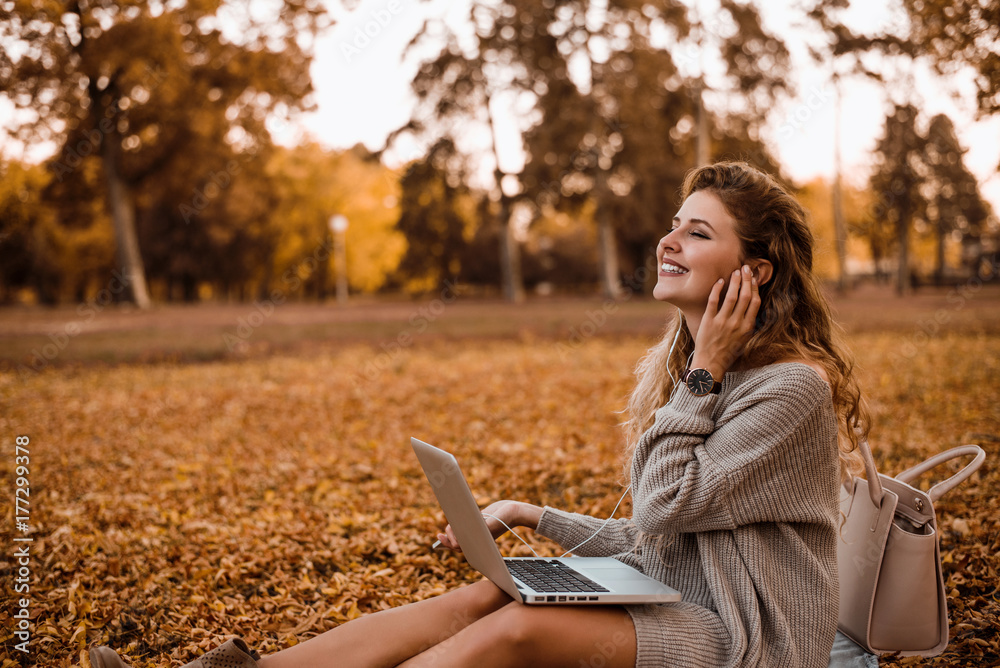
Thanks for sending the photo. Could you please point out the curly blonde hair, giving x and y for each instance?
(794, 320)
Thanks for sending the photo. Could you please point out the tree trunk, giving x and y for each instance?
(323, 269)
(122, 208)
(510, 256)
(610, 280)
(903, 270)
(877, 262)
(939, 263)
(704, 147)
(189, 289)
(840, 229)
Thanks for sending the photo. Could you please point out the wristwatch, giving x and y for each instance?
(701, 382)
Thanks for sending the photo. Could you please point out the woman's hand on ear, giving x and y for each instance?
(727, 326)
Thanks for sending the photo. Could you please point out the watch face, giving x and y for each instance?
(700, 382)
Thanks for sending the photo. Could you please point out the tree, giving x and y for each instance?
(898, 181)
(22, 218)
(311, 185)
(920, 182)
(867, 221)
(54, 261)
(287, 251)
(437, 219)
(593, 89)
(958, 34)
(955, 203)
(456, 91)
(951, 35)
(815, 197)
(624, 136)
(843, 45)
(159, 93)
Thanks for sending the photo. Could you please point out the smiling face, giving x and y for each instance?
(700, 248)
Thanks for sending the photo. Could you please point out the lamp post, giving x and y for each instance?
(338, 226)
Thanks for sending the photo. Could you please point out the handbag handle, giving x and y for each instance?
(871, 473)
(945, 486)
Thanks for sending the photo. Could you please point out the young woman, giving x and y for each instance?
(742, 424)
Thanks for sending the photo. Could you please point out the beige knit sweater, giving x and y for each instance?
(735, 504)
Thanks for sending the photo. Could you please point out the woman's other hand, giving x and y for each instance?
(513, 514)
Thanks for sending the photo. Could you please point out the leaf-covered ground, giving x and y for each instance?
(173, 505)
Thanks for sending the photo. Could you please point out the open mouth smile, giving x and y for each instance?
(668, 267)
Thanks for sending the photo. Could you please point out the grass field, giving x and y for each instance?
(192, 480)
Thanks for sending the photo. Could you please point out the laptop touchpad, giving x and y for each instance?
(608, 574)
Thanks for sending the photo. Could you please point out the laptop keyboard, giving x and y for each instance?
(554, 576)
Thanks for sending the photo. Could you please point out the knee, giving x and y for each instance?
(516, 629)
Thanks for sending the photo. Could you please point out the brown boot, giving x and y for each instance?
(232, 654)
(105, 657)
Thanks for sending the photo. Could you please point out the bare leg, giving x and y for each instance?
(519, 635)
(389, 637)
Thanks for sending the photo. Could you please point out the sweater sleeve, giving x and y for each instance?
(572, 529)
(763, 460)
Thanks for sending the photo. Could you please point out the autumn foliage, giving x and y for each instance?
(274, 496)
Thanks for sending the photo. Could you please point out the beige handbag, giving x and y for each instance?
(892, 596)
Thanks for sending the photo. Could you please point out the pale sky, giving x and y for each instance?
(363, 93)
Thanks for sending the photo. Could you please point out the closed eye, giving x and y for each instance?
(693, 233)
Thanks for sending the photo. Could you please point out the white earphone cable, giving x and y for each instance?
(627, 489)
(516, 535)
(600, 528)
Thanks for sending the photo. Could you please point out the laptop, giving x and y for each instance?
(531, 580)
